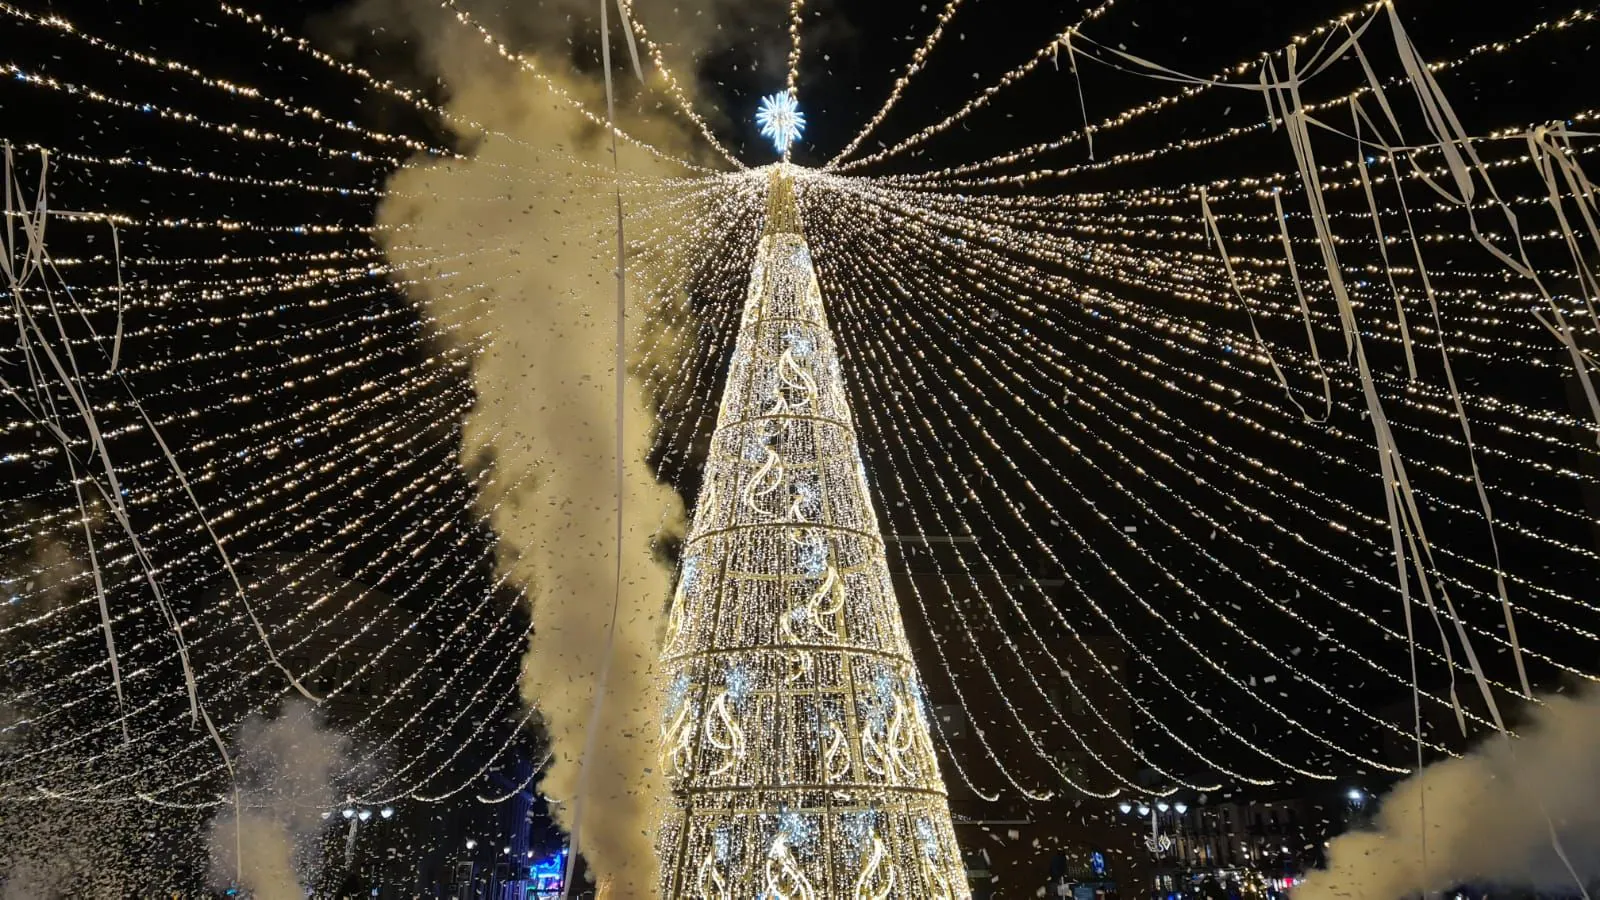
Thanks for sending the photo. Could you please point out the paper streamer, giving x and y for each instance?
(1227, 266)
(1072, 65)
(1305, 308)
(35, 261)
(116, 253)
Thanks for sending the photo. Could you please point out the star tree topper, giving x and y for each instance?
(780, 119)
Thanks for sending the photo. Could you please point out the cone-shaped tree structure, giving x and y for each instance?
(795, 735)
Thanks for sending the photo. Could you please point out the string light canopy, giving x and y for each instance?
(1272, 401)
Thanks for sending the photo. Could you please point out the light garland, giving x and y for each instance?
(993, 332)
(950, 428)
(1343, 462)
(464, 710)
(1048, 51)
(912, 68)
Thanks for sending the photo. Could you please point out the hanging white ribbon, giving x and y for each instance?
(1305, 308)
(1383, 244)
(1227, 267)
(1077, 77)
(35, 261)
(116, 256)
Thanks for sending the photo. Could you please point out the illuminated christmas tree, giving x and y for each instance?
(795, 731)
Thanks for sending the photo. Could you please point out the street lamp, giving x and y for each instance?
(356, 816)
(1125, 806)
(1157, 842)
(472, 844)
(387, 812)
(1181, 808)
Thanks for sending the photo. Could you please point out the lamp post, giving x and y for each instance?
(357, 816)
(1157, 842)
(466, 876)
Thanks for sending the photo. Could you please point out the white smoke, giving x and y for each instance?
(527, 223)
(524, 229)
(286, 770)
(1487, 818)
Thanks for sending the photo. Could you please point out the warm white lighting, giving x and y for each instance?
(785, 662)
(985, 305)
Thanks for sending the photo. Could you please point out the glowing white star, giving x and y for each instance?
(780, 119)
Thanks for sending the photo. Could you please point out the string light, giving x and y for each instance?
(526, 65)
(402, 447)
(792, 78)
(675, 89)
(1335, 459)
(231, 88)
(1048, 51)
(1251, 512)
(992, 331)
(900, 84)
(951, 429)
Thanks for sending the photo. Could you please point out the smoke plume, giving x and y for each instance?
(286, 769)
(517, 245)
(545, 416)
(1489, 817)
